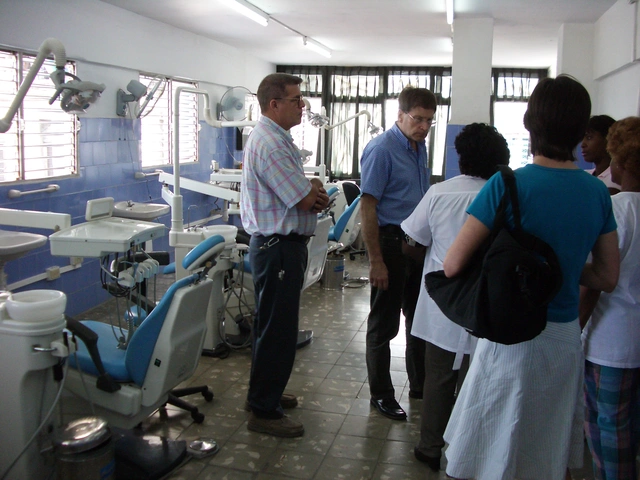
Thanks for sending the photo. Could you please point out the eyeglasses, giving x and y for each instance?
(297, 100)
(419, 120)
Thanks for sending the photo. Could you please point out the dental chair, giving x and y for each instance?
(126, 386)
(343, 234)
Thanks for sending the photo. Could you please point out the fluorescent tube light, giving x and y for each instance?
(249, 10)
(449, 7)
(316, 47)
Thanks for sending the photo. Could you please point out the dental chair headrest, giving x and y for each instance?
(204, 251)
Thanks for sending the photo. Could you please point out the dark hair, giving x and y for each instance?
(411, 97)
(481, 149)
(623, 144)
(600, 124)
(557, 116)
(273, 86)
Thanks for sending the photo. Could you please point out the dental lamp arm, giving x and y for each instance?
(50, 45)
(177, 221)
(352, 117)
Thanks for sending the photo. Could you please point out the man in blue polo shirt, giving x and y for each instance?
(395, 177)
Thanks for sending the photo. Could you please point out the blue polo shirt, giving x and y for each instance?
(395, 174)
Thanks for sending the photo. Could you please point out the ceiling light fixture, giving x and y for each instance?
(316, 47)
(449, 7)
(249, 10)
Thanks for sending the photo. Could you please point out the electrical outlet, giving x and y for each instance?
(53, 273)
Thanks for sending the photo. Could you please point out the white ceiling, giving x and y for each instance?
(376, 32)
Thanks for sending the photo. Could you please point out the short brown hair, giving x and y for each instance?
(274, 86)
(623, 144)
(557, 116)
(411, 97)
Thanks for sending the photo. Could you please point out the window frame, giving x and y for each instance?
(166, 133)
(318, 81)
(24, 122)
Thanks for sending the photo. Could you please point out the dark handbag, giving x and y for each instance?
(503, 294)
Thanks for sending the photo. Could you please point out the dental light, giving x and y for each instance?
(75, 95)
(137, 91)
(316, 47)
(321, 121)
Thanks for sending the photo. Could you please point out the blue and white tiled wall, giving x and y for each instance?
(108, 153)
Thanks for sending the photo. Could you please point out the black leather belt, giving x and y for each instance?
(292, 237)
(390, 229)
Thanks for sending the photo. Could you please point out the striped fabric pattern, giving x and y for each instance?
(520, 411)
(612, 420)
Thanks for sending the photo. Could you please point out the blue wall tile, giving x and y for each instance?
(108, 157)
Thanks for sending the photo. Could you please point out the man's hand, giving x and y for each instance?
(322, 199)
(379, 275)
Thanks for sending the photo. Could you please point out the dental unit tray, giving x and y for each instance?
(103, 234)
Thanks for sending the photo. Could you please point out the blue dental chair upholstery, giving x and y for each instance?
(128, 385)
(347, 227)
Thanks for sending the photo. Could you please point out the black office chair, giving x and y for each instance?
(351, 191)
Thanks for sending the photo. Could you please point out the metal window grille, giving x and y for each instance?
(42, 140)
(157, 123)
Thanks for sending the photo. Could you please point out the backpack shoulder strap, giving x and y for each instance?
(511, 188)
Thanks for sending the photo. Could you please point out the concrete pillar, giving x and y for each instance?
(575, 54)
(471, 81)
(575, 58)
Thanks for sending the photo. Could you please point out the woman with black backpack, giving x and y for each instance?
(519, 412)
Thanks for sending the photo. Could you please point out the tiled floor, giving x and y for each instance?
(344, 438)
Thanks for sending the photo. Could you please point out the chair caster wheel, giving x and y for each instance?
(197, 417)
(208, 395)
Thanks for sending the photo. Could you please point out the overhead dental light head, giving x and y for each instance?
(75, 95)
(137, 91)
(374, 129)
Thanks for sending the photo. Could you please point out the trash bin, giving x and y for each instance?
(333, 274)
(85, 451)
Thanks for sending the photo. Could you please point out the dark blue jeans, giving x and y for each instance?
(383, 323)
(278, 274)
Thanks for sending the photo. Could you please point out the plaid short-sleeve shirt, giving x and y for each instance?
(273, 182)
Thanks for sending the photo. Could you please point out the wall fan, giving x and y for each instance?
(233, 104)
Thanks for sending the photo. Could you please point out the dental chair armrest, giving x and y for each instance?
(90, 339)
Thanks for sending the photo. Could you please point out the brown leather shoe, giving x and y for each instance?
(278, 427)
(287, 400)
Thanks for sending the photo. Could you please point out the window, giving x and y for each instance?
(511, 91)
(156, 147)
(345, 91)
(41, 142)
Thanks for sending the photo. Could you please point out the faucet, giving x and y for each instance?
(189, 227)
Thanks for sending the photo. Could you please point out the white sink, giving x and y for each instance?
(15, 244)
(139, 211)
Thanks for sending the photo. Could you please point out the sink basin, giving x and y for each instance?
(139, 211)
(15, 244)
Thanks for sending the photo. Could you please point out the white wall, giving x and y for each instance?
(616, 60)
(112, 45)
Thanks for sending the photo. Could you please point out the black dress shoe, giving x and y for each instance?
(389, 408)
(432, 462)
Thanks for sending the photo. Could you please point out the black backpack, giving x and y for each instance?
(504, 292)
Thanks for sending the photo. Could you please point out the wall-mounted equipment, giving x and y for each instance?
(75, 95)
(136, 91)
